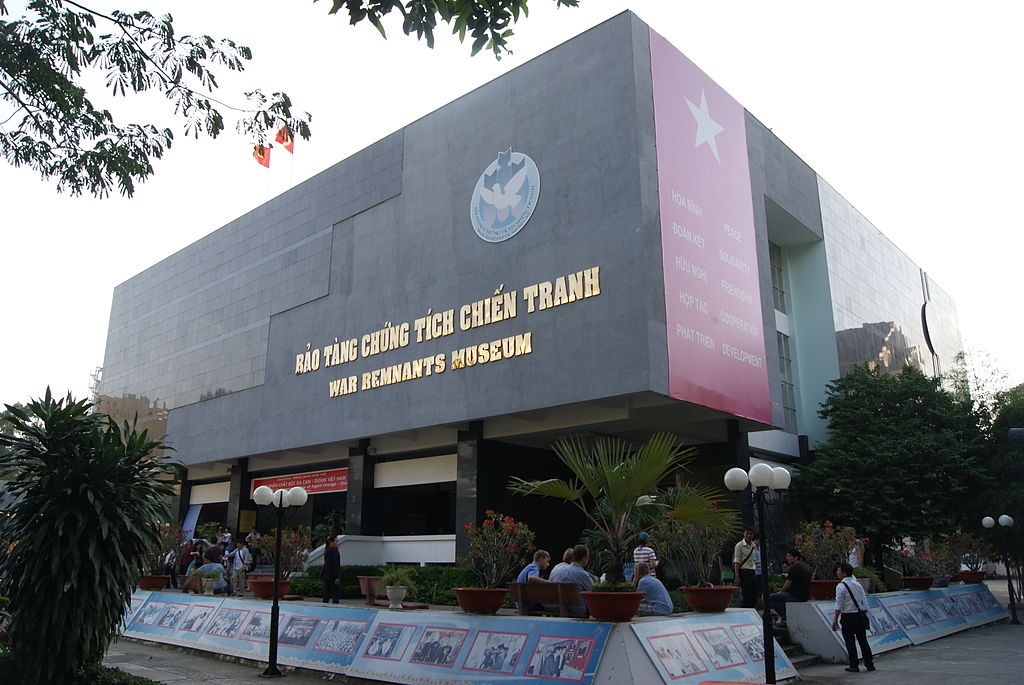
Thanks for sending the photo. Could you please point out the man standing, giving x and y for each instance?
(331, 572)
(744, 568)
(643, 553)
(577, 573)
(241, 561)
(797, 587)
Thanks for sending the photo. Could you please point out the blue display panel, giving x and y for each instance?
(930, 614)
(701, 647)
(885, 632)
(382, 645)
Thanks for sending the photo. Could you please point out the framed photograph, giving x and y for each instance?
(173, 615)
(341, 636)
(904, 616)
(881, 621)
(227, 622)
(438, 646)
(719, 647)
(921, 613)
(677, 655)
(133, 609)
(751, 640)
(258, 628)
(560, 658)
(389, 641)
(297, 631)
(195, 618)
(149, 614)
(494, 652)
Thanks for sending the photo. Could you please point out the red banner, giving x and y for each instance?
(314, 482)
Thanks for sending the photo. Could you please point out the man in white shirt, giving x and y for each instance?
(851, 600)
(241, 562)
(744, 568)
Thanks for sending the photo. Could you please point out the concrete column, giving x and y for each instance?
(241, 490)
(359, 500)
(179, 503)
(467, 506)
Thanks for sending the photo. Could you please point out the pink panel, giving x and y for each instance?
(712, 298)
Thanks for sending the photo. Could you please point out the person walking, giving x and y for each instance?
(744, 568)
(851, 609)
(644, 553)
(330, 574)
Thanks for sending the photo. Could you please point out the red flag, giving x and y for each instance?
(284, 136)
(261, 153)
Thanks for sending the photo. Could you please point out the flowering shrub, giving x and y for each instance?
(171, 539)
(498, 548)
(294, 548)
(913, 559)
(967, 549)
(824, 547)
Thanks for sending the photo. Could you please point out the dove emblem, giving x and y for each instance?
(505, 196)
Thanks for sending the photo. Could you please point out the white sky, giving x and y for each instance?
(909, 109)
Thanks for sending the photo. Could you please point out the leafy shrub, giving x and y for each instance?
(498, 548)
(679, 603)
(869, 574)
(434, 583)
(89, 675)
(307, 587)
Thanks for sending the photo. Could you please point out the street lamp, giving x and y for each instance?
(761, 478)
(280, 500)
(1004, 523)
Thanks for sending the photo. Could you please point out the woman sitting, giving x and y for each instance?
(656, 601)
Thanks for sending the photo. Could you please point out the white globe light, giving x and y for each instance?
(988, 522)
(736, 479)
(280, 498)
(263, 495)
(297, 496)
(761, 476)
(782, 478)
(1005, 521)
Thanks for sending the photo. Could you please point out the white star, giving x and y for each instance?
(707, 128)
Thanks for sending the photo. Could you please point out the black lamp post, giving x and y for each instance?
(280, 500)
(762, 477)
(1004, 523)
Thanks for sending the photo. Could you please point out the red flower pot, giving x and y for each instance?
(972, 577)
(709, 600)
(617, 607)
(823, 589)
(153, 582)
(264, 588)
(480, 600)
(917, 582)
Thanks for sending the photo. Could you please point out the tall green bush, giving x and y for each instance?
(90, 498)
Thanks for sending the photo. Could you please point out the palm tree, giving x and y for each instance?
(610, 483)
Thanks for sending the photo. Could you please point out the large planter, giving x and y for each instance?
(917, 582)
(263, 588)
(153, 582)
(972, 577)
(823, 589)
(614, 607)
(209, 585)
(480, 600)
(396, 593)
(709, 600)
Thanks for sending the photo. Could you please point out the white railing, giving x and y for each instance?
(377, 550)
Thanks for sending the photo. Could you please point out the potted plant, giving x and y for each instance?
(399, 584)
(966, 550)
(824, 547)
(170, 538)
(613, 601)
(294, 550)
(498, 548)
(693, 532)
(207, 580)
(915, 563)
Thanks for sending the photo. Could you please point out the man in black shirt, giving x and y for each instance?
(797, 587)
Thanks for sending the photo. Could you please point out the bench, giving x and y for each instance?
(564, 595)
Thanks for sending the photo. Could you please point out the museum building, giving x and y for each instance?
(600, 242)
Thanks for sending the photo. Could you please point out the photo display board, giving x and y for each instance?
(885, 633)
(696, 648)
(929, 614)
(394, 646)
(716, 349)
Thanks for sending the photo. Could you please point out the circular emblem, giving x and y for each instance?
(504, 197)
